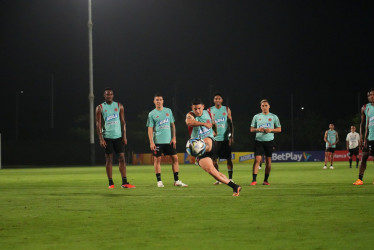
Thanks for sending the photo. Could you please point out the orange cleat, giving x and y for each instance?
(253, 183)
(358, 182)
(128, 185)
(111, 186)
(237, 191)
(266, 183)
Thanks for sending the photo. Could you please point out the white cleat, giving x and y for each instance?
(231, 180)
(179, 183)
(217, 183)
(160, 184)
(331, 167)
(324, 167)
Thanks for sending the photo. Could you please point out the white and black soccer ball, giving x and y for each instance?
(195, 147)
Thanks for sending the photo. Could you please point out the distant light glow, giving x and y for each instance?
(302, 108)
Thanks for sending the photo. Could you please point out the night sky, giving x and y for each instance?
(319, 51)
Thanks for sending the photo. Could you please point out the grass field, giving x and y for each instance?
(305, 207)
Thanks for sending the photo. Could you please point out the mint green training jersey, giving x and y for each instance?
(369, 112)
(112, 122)
(265, 121)
(160, 121)
(331, 137)
(220, 118)
(202, 131)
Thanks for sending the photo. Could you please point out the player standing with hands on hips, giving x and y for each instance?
(162, 139)
(331, 138)
(111, 129)
(264, 124)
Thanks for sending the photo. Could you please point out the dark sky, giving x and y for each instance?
(319, 51)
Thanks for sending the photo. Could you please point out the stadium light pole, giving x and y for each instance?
(91, 96)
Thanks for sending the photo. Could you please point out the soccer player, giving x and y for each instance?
(225, 131)
(200, 125)
(264, 124)
(162, 139)
(367, 112)
(353, 140)
(111, 129)
(331, 138)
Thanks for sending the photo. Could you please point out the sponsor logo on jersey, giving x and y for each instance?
(220, 120)
(270, 119)
(266, 125)
(163, 121)
(111, 117)
(116, 109)
(167, 114)
(224, 113)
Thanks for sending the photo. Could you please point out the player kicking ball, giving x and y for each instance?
(202, 145)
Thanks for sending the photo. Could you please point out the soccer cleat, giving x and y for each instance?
(266, 183)
(128, 185)
(217, 183)
(324, 167)
(231, 180)
(358, 182)
(160, 184)
(253, 183)
(237, 191)
(259, 167)
(111, 186)
(179, 183)
(331, 167)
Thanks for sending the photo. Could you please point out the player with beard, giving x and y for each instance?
(225, 131)
(366, 135)
(111, 129)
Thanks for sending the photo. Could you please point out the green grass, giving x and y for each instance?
(71, 208)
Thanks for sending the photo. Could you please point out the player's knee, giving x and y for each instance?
(121, 159)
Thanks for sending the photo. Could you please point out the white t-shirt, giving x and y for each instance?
(353, 139)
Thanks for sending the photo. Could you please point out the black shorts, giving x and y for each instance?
(264, 148)
(166, 149)
(212, 154)
(331, 150)
(223, 150)
(115, 145)
(371, 147)
(353, 151)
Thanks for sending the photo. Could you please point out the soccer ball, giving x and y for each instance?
(195, 147)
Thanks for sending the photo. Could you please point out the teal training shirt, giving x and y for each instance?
(160, 121)
(265, 121)
(220, 118)
(370, 121)
(112, 122)
(202, 131)
(331, 137)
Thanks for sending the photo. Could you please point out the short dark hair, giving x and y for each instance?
(196, 101)
(217, 93)
(158, 94)
(106, 89)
